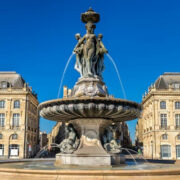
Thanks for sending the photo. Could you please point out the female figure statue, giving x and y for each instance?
(99, 65)
(71, 141)
(79, 51)
(89, 49)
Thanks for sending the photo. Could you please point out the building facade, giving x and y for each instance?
(43, 140)
(19, 119)
(158, 129)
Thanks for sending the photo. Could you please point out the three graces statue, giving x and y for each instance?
(90, 49)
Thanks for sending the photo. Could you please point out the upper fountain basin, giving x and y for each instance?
(89, 107)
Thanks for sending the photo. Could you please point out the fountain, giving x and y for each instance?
(90, 149)
(89, 110)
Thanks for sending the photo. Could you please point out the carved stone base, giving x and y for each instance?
(89, 160)
(81, 160)
(89, 87)
(90, 151)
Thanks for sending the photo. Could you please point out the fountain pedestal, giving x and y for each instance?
(90, 151)
(90, 87)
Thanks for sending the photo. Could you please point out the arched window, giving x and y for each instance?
(14, 136)
(1, 136)
(178, 137)
(2, 104)
(163, 105)
(164, 137)
(17, 104)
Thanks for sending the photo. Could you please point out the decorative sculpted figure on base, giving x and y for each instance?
(71, 141)
(109, 140)
(90, 49)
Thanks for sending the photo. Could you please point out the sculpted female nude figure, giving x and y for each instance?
(89, 49)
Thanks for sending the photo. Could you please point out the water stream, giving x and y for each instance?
(121, 84)
(137, 154)
(130, 155)
(64, 72)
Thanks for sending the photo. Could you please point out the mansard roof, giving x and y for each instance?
(167, 79)
(12, 78)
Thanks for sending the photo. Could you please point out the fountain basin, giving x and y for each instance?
(89, 107)
(90, 116)
(43, 169)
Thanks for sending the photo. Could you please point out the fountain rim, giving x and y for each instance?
(85, 99)
(91, 172)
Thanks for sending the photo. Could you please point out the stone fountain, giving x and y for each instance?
(90, 112)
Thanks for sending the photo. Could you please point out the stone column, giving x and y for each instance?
(90, 131)
(90, 151)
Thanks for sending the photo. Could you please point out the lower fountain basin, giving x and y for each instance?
(89, 107)
(44, 169)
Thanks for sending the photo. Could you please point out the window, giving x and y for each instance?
(177, 119)
(15, 121)
(14, 136)
(177, 105)
(178, 151)
(17, 104)
(165, 151)
(1, 136)
(1, 149)
(14, 150)
(164, 136)
(2, 104)
(163, 105)
(178, 137)
(163, 120)
(4, 84)
(176, 86)
(2, 119)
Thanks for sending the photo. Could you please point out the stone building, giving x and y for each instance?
(19, 120)
(43, 140)
(125, 138)
(158, 129)
(56, 135)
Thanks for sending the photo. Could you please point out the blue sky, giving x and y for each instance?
(37, 38)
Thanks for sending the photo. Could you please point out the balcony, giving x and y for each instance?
(165, 127)
(15, 127)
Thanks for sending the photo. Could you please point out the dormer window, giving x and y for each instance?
(4, 84)
(176, 85)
